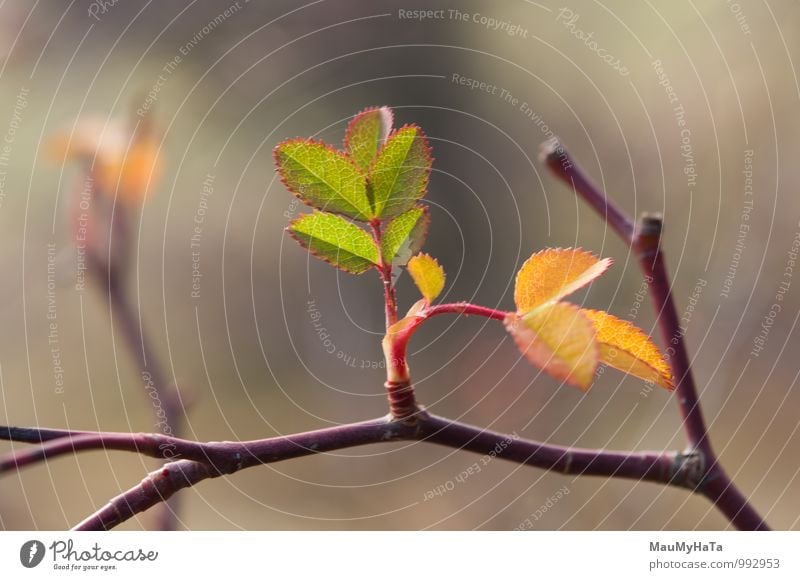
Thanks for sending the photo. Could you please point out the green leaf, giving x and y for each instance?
(366, 133)
(323, 178)
(335, 240)
(428, 275)
(399, 175)
(404, 236)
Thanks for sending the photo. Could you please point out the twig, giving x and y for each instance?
(467, 309)
(121, 310)
(206, 460)
(560, 163)
(645, 240)
(696, 469)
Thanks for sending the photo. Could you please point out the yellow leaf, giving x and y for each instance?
(551, 274)
(428, 275)
(627, 348)
(560, 340)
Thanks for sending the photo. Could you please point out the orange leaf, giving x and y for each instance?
(124, 165)
(560, 340)
(627, 348)
(551, 274)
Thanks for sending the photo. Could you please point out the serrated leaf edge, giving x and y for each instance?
(607, 261)
(347, 133)
(333, 149)
(294, 236)
(428, 151)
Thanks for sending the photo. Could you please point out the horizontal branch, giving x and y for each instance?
(200, 461)
(221, 456)
(466, 309)
(667, 468)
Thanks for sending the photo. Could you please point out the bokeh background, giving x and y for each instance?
(245, 351)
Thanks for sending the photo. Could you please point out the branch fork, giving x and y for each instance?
(697, 469)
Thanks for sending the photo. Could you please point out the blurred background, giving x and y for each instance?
(686, 108)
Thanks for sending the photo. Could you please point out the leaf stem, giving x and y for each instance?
(467, 309)
(385, 271)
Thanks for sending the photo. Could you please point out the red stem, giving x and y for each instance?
(467, 309)
(399, 390)
(385, 271)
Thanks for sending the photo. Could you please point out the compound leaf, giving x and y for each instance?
(559, 339)
(335, 240)
(625, 347)
(552, 274)
(323, 178)
(399, 176)
(366, 133)
(428, 275)
(404, 236)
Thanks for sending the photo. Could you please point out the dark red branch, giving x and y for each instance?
(111, 282)
(709, 477)
(207, 460)
(558, 160)
(651, 260)
(641, 466)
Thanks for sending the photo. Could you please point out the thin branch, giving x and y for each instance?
(385, 271)
(123, 312)
(154, 489)
(201, 461)
(558, 160)
(645, 240)
(467, 309)
(651, 260)
(696, 469)
(642, 466)
(223, 456)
